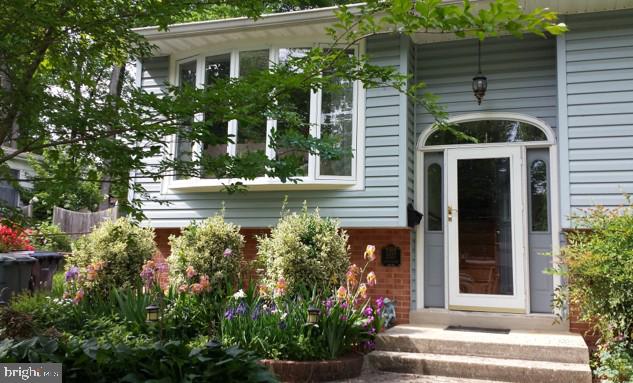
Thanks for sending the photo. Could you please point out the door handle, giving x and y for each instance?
(450, 213)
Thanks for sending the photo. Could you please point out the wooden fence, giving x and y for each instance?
(77, 223)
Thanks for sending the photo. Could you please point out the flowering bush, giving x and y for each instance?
(276, 325)
(12, 239)
(304, 250)
(212, 249)
(116, 250)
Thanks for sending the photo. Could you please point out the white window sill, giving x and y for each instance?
(262, 184)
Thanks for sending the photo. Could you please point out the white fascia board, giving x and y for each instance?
(241, 23)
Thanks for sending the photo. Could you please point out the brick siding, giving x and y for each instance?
(393, 282)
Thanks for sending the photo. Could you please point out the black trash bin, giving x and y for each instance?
(15, 274)
(48, 263)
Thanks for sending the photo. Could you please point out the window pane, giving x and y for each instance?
(251, 136)
(337, 108)
(434, 197)
(186, 76)
(300, 102)
(538, 193)
(216, 68)
(488, 131)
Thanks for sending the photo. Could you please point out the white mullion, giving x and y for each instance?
(196, 147)
(315, 131)
(270, 123)
(234, 73)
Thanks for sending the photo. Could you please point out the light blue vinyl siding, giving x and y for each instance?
(521, 77)
(599, 63)
(378, 205)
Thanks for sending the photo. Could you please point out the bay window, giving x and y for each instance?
(333, 113)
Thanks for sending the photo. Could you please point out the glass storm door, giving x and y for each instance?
(485, 229)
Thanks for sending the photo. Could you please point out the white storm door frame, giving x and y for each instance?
(516, 303)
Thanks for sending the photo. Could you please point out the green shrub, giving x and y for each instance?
(137, 360)
(598, 263)
(305, 250)
(615, 363)
(49, 237)
(120, 248)
(212, 248)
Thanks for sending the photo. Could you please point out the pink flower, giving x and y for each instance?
(197, 288)
(228, 252)
(78, 296)
(280, 286)
(183, 288)
(191, 272)
(341, 293)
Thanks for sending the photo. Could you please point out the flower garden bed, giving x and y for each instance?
(119, 310)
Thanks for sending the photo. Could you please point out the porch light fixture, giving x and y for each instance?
(152, 313)
(480, 82)
(313, 315)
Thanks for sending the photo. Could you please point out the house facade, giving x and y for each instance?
(554, 131)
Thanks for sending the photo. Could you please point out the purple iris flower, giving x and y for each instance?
(229, 314)
(72, 273)
(241, 309)
(368, 311)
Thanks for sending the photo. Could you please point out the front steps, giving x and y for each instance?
(520, 356)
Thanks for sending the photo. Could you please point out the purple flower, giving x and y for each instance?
(241, 309)
(344, 305)
(229, 314)
(328, 304)
(228, 252)
(162, 267)
(368, 322)
(369, 345)
(380, 302)
(255, 313)
(343, 318)
(72, 273)
(368, 311)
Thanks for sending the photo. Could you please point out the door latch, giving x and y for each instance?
(450, 213)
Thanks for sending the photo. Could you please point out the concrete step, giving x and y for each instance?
(524, 345)
(524, 322)
(475, 367)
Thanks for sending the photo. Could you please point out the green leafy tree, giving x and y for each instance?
(65, 83)
(66, 181)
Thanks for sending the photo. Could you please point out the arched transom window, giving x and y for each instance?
(487, 131)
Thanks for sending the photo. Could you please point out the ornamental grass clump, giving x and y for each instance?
(115, 251)
(304, 250)
(212, 248)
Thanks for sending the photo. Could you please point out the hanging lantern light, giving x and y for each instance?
(480, 82)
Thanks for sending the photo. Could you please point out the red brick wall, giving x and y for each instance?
(393, 282)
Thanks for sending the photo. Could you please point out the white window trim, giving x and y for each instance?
(314, 181)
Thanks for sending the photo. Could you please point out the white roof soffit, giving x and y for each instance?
(311, 24)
